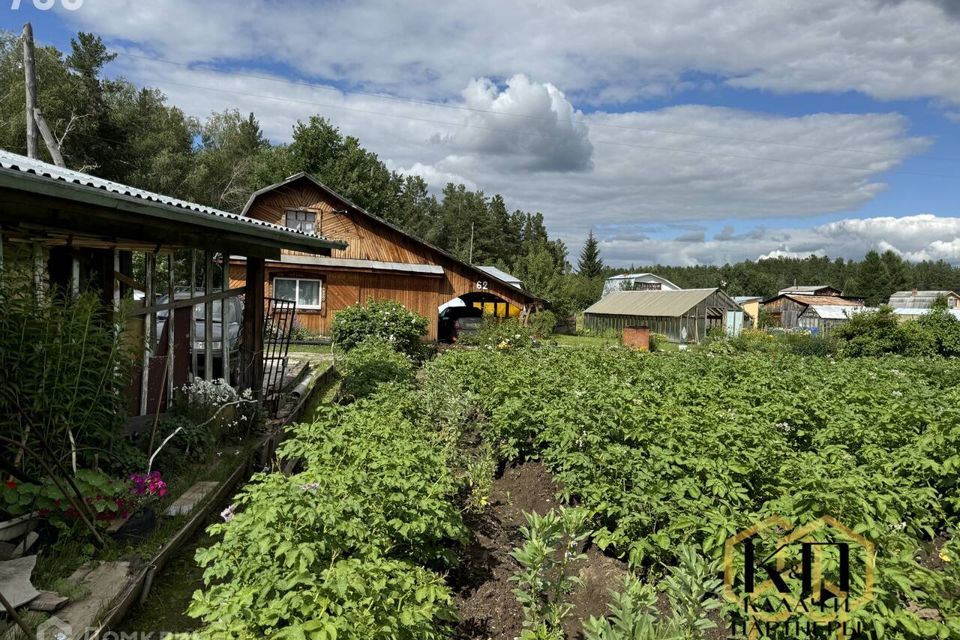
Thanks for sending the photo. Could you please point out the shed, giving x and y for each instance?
(822, 318)
(785, 309)
(751, 307)
(923, 299)
(76, 231)
(682, 316)
(638, 282)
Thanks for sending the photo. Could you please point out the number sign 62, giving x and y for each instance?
(482, 285)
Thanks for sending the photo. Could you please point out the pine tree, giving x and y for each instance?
(590, 264)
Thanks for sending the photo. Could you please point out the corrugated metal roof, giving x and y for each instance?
(806, 288)
(832, 312)
(916, 299)
(669, 304)
(501, 275)
(920, 311)
(828, 301)
(374, 265)
(742, 299)
(22, 164)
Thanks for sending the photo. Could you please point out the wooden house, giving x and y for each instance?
(380, 261)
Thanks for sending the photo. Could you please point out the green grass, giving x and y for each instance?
(325, 349)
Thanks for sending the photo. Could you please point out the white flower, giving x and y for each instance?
(228, 513)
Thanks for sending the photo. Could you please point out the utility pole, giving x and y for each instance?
(30, 82)
(471, 244)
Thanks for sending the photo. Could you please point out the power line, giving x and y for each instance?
(465, 108)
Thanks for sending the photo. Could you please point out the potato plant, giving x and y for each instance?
(692, 447)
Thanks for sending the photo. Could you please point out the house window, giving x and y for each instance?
(306, 293)
(304, 221)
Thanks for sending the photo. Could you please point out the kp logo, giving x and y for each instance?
(811, 577)
(46, 5)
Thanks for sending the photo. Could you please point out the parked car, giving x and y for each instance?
(459, 321)
(234, 322)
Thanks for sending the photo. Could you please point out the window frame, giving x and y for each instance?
(296, 289)
(310, 217)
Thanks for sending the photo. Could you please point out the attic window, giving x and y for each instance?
(303, 221)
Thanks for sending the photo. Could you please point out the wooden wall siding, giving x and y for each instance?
(369, 239)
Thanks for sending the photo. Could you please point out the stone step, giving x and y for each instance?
(193, 496)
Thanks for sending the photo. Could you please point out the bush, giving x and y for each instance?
(371, 363)
(190, 445)
(385, 319)
(65, 370)
(807, 344)
(217, 407)
(499, 333)
(871, 334)
(542, 323)
(658, 342)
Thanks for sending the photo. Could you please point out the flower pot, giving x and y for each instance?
(17, 527)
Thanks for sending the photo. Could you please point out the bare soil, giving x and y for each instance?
(484, 595)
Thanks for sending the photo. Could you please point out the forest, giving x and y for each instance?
(113, 129)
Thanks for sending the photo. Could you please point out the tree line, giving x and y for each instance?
(874, 278)
(115, 130)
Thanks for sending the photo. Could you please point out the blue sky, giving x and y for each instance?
(689, 132)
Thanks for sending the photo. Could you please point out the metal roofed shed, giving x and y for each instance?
(74, 232)
(818, 317)
(923, 299)
(683, 316)
(811, 290)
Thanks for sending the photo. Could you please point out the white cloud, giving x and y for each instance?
(607, 52)
(673, 165)
(532, 125)
(916, 237)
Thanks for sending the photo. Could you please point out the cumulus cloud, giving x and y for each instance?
(533, 125)
(611, 51)
(669, 166)
(915, 238)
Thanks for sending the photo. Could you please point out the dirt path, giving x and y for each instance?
(484, 595)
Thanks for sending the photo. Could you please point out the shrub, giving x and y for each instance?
(499, 333)
(216, 406)
(658, 342)
(806, 344)
(542, 323)
(65, 369)
(371, 363)
(871, 334)
(385, 319)
(190, 445)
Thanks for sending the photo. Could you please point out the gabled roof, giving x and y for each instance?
(303, 175)
(502, 275)
(663, 303)
(807, 288)
(742, 299)
(917, 299)
(832, 312)
(808, 299)
(26, 174)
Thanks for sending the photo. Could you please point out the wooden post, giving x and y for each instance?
(193, 317)
(116, 281)
(52, 145)
(171, 323)
(225, 318)
(30, 82)
(149, 328)
(208, 317)
(251, 355)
